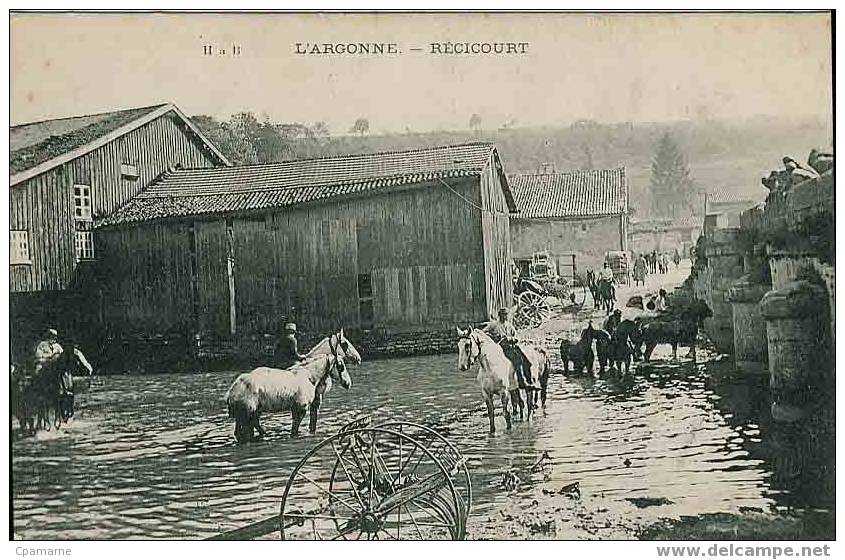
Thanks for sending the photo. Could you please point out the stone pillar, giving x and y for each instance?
(796, 321)
(725, 264)
(749, 327)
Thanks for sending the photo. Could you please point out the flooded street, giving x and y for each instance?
(154, 457)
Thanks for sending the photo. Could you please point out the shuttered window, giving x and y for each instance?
(19, 247)
(84, 245)
(82, 202)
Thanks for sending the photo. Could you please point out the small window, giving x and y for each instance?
(129, 171)
(84, 245)
(82, 202)
(365, 300)
(19, 247)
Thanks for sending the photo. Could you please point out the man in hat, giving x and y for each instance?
(48, 349)
(286, 353)
(613, 321)
(504, 333)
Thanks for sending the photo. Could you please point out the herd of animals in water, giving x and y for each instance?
(39, 405)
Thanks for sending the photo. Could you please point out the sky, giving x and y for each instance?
(606, 67)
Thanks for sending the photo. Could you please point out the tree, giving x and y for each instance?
(672, 189)
(246, 140)
(475, 122)
(361, 126)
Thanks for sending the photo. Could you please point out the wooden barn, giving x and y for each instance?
(574, 216)
(400, 242)
(65, 175)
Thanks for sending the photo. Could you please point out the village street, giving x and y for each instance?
(622, 456)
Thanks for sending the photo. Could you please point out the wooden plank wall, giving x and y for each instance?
(496, 226)
(43, 205)
(144, 276)
(421, 246)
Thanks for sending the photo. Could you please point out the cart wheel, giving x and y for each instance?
(435, 442)
(374, 483)
(533, 308)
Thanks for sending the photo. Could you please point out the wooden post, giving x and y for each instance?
(230, 270)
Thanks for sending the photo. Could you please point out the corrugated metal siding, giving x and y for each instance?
(43, 205)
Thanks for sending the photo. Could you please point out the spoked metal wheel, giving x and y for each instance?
(435, 442)
(532, 309)
(375, 483)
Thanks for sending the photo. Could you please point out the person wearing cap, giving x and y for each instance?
(48, 349)
(504, 333)
(287, 353)
(612, 322)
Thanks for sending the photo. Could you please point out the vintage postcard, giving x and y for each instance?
(422, 276)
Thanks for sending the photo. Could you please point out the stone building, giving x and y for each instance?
(574, 216)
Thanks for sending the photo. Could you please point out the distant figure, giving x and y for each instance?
(676, 258)
(660, 301)
(653, 262)
(286, 353)
(640, 270)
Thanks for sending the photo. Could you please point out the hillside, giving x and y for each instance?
(732, 156)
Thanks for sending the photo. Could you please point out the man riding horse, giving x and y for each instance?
(286, 353)
(504, 333)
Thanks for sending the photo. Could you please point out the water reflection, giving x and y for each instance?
(153, 457)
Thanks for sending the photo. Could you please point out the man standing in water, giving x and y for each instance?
(504, 333)
(287, 353)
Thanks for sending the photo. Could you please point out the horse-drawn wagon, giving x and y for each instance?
(531, 291)
(619, 264)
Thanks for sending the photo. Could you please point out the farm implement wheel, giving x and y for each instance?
(532, 309)
(387, 482)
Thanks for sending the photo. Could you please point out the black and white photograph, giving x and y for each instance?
(409, 275)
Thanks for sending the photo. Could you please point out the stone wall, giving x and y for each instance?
(587, 238)
(179, 352)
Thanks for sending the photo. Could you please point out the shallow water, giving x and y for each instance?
(153, 457)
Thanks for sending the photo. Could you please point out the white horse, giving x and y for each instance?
(496, 373)
(350, 355)
(278, 390)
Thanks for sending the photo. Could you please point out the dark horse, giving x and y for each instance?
(44, 399)
(625, 345)
(677, 326)
(602, 292)
(581, 352)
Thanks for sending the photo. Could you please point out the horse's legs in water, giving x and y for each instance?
(529, 402)
(649, 348)
(256, 418)
(516, 403)
(674, 351)
(692, 352)
(505, 399)
(314, 409)
(491, 414)
(544, 383)
(297, 413)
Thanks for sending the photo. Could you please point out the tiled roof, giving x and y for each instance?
(189, 192)
(597, 192)
(34, 143)
(725, 196)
